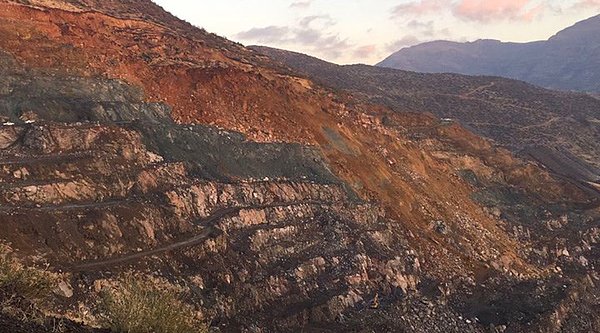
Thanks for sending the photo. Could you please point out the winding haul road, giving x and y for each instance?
(209, 231)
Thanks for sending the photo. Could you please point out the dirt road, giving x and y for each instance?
(209, 231)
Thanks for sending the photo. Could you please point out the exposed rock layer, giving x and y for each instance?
(301, 209)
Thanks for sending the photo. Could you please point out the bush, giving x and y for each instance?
(137, 306)
(15, 279)
(22, 289)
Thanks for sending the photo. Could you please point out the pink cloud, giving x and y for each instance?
(479, 10)
(487, 10)
(365, 51)
(534, 12)
(588, 4)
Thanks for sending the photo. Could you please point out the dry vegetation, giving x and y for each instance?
(23, 290)
(139, 306)
(135, 305)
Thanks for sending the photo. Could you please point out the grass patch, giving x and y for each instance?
(27, 282)
(139, 306)
(23, 289)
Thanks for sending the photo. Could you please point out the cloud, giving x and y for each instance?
(489, 10)
(300, 4)
(420, 7)
(268, 34)
(365, 51)
(320, 21)
(475, 10)
(402, 43)
(424, 28)
(310, 34)
(535, 12)
(416, 24)
(419, 32)
(585, 4)
(574, 7)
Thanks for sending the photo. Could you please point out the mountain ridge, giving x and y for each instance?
(566, 61)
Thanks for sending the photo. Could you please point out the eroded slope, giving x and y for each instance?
(329, 210)
(534, 122)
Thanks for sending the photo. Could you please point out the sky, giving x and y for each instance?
(367, 31)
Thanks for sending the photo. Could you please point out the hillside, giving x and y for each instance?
(516, 115)
(134, 146)
(567, 61)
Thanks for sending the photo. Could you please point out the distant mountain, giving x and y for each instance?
(570, 60)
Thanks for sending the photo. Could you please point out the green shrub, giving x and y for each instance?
(137, 306)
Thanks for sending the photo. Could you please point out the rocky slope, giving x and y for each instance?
(558, 130)
(567, 61)
(133, 142)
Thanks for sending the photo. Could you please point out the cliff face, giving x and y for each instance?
(134, 142)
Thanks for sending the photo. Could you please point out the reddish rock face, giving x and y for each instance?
(143, 144)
